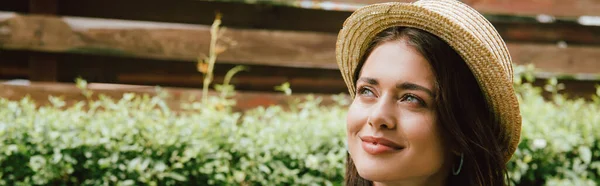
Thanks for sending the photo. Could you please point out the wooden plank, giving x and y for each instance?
(243, 82)
(166, 41)
(519, 7)
(172, 73)
(535, 7)
(73, 30)
(559, 8)
(525, 31)
(235, 14)
(8, 72)
(182, 42)
(574, 89)
(275, 17)
(40, 92)
(517, 29)
(559, 58)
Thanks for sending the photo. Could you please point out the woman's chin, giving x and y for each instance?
(384, 170)
(377, 172)
(377, 177)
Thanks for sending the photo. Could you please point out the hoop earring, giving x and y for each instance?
(456, 172)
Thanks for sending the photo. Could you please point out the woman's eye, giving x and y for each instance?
(412, 99)
(365, 92)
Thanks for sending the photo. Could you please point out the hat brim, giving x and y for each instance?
(463, 28)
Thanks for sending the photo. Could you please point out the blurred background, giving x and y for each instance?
(122, 46)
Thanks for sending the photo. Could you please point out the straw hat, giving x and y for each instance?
(464, 29)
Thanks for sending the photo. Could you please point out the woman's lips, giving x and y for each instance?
(376, 145)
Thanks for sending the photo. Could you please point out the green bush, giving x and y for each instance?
(560, 138)
(138, 140)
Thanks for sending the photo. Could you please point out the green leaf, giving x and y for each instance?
(239, 176)
(175, 176)
(37, 162)
(285, 88)
(127, 183)
(264, 169)
(586, 154)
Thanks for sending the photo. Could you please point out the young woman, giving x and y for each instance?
(433, 98)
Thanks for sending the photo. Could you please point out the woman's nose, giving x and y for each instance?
(382, 116)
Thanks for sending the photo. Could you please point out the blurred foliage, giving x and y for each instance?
(560, 142)
(138, 140)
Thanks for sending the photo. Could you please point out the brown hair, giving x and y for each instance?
(467, 123)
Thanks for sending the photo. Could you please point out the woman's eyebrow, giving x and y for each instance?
(369, 80)
(412, 86)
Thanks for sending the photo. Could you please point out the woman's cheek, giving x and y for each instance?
(355, 121)
(356, 118)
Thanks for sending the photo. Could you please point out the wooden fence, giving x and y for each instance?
(156, 42)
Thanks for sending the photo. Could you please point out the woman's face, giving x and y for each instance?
(393, 135)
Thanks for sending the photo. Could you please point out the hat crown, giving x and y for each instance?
(473, 21)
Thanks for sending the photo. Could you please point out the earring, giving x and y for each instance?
(456, 172)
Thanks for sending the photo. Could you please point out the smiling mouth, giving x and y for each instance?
(376, 145)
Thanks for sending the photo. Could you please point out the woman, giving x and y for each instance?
(433, 97)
